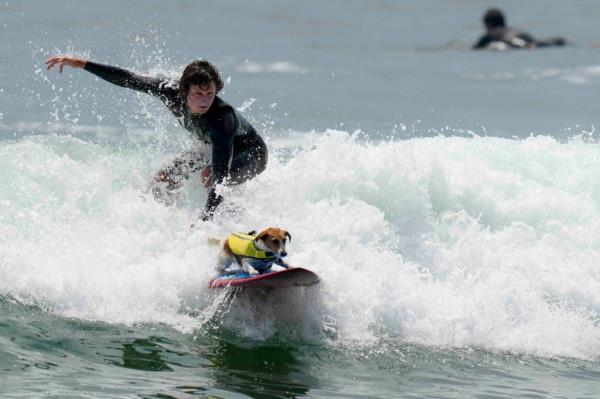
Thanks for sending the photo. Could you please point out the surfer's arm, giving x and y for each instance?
(62, 60)
(163, 88)
(222, 135)
(124, 78)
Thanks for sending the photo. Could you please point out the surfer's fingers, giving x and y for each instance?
(50, 62)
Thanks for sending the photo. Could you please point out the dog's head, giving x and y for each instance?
(273, 239)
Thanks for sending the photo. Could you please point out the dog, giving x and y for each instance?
(252, 253)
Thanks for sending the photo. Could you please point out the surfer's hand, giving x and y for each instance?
(205, 216)
(206, 177)
(62, 60)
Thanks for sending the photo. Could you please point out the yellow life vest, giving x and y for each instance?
(243, 245)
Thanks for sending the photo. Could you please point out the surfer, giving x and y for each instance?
(500, 37)
(229, 150)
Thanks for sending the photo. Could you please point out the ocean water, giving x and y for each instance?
(448, 199)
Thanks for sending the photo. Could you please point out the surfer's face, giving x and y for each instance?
(200, 98)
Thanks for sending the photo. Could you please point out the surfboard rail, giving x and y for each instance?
(296, 277)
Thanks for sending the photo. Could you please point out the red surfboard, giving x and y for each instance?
(296, 277)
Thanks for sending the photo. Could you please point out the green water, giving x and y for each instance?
(44, 355)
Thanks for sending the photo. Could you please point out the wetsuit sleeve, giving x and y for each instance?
(526, 37)
(482, 42)
(159, 87)
(222, 135)
(555, 41)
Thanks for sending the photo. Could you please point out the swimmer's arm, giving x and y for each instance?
(555, 41)
(526, 37)
(482, 42)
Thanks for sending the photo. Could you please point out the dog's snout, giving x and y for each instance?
(283, 253)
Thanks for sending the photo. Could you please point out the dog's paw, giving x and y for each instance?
(249, 269)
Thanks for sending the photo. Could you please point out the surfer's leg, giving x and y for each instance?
(170, 178)
(247, 164)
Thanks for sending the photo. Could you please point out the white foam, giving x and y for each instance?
(589, 74)
(284, 67)
(455, 242)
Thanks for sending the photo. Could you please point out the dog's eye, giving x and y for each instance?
(275, 241)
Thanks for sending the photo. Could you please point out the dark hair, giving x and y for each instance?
(493, 18)
(201, 73)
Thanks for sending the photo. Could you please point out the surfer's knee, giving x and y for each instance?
(161, 176)
(163, 187)
(167, 179)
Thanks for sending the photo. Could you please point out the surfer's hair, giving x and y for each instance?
(494, 18)
(201, 73)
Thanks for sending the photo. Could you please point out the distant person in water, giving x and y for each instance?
(500, 37)
(229, 149)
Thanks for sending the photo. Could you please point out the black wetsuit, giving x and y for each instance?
(514, 38)
(238, 153)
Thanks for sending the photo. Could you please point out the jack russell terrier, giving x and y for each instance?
(253, 253)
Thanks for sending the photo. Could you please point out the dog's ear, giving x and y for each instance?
(288, 235)
(262, 236)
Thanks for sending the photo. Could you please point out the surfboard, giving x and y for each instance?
(296, 277)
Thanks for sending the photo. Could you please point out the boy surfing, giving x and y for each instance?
(229, 150)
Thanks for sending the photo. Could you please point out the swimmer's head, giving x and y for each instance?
(493, 18)
(199, 84)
